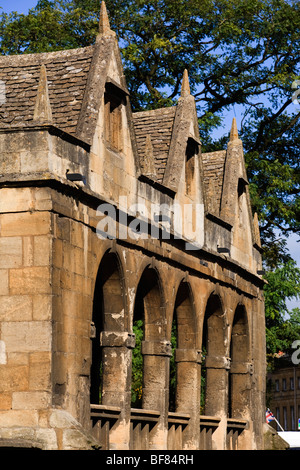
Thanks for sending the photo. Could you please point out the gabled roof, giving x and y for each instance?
(213, 164)
(168, 130)
(158, 124)
(66, 88)
(72, 83)
(67, 74)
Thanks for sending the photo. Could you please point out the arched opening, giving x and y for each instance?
(184, 366)
(113, 107)
(191, 152)
(216, 365)
(148, 369)
(240, 370)
(107, 321)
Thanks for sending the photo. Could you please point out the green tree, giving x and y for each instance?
(137, 365)
(242, 55)
(282, 325)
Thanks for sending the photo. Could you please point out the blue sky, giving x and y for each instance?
(22, 6)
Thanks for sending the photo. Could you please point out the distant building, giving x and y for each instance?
(284, 393)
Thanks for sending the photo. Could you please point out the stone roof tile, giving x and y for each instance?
(157, 123)
(213, 173)
(67, 73)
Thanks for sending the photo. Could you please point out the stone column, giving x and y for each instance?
(241, 405)
(188, 393)
(240, 377)
(216, 403)
(116, 382)
(216, 396)
(156, 356)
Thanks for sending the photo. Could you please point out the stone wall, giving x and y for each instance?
(50, 256)
(70, 289)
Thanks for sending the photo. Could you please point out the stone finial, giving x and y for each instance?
(104, 25)
(42, 110)
(234, 132)
(185, 86)
(147, 164)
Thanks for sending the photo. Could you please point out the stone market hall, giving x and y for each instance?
(108, 219)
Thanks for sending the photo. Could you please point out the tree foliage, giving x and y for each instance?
(137, 365)
(243, 57)
(282, 326)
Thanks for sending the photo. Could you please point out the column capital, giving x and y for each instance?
(241, 367)
(188, 355)
(217, 362)
(116, 339)
(157, 348)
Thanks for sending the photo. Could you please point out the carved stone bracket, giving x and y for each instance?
(156, 348)
(114, 339)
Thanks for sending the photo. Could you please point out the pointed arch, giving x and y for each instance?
(215, 373)
(185, 383)
(186, 318)
(149, 310)
(213, 339)
(108, 316)
(239, 384)
(150, 304)
(240, 346)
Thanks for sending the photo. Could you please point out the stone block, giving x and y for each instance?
(4, 288)
(10, 252)
(18, 359)
(30, 400)
(62, 420)
(42, 250)
(73, 439)
(13, 418)
(35, 280)
(57, 254)
(77, 235)
(10, 162)
(32, 162)
(70, 308)
(16, 308)
(42, 307)
(79, 262)
(40, 372)
(48, 438)
(17, 434)
(62, 228)
(27, 251)
(5, 401)
(13, 378)
(16, 199)
(43, 199)
(26, 336)
(25, 223)
(3, 355)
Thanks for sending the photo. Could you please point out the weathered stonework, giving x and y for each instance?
(70, 294)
